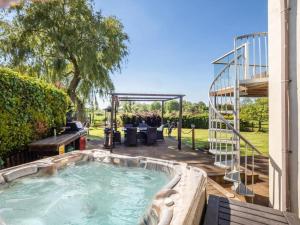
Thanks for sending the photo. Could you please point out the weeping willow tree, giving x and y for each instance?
(65, 42)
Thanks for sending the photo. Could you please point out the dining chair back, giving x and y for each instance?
(131, 136)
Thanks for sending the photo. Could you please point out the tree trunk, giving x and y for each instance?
(79, 105)
(80, 109)
(73, 86)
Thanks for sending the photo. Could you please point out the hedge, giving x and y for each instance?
(29, 109)
(200, 121)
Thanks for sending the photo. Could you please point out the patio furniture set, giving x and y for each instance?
(141, 134)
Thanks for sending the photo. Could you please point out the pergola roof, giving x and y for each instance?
(146, 97)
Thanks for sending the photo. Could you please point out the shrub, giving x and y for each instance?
(199, 120)
(153, 119)
(29, 108)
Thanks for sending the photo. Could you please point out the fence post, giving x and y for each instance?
(193, 136)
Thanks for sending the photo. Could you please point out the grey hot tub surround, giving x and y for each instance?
(180, 202)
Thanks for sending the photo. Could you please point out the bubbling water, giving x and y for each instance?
(89, 194)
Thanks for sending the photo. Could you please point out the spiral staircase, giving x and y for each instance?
(240, 73)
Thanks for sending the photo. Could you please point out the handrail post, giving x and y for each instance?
(193, 136)
(236, 107)
(111, 124)
(180, 123)
(162, 112)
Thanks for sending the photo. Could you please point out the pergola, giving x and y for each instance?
(135, 97)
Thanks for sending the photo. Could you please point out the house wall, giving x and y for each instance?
(276, 62)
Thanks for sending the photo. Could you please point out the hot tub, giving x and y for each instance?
(96, 187)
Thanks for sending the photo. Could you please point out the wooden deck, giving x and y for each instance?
(222, 211)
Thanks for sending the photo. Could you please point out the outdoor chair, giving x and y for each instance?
(151, 136)
(160, 133)
(131, 136)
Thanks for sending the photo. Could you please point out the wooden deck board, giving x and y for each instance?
(224, 211)
(253, 212)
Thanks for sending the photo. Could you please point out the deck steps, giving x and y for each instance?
(219, 178)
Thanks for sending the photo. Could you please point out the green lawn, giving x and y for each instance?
(258, 139)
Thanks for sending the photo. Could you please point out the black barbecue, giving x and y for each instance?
(75, 126)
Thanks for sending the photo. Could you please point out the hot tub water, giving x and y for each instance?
(89, 194)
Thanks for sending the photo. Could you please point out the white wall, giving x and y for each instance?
(275, 135)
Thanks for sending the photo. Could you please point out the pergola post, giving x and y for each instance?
(179, 123)
(111, 123)
(162, 112)
(115, 119)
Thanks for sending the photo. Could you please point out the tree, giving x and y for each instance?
(187, 106)
(127, 107)
(140, 107)
(155, 106)
(66, 41)
(256, 111)
(194, 108)
(172, 106)
(202, 107)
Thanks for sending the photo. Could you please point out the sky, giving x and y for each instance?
(173, 42)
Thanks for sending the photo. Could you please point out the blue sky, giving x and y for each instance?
(173, 42)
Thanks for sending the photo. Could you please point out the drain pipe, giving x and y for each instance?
(286, 200)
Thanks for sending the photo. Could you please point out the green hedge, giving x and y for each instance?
(199, 120)
(29, 108)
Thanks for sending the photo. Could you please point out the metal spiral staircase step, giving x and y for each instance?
(221, 130)
(233, 176)
(221, 121)
(227, 112)
(223, 141)
(224, 164)
(242, 189)
(222, 152)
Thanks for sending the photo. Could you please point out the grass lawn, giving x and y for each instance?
(258, 139)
